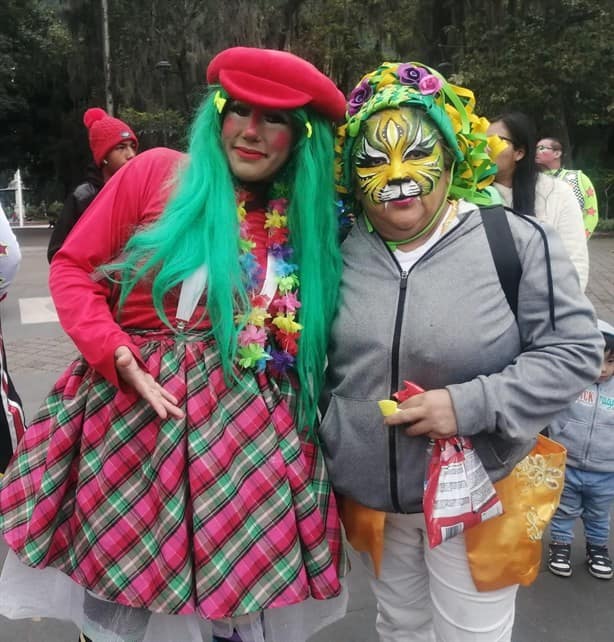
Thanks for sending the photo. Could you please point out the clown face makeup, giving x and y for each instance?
(257, 142)
(400, 156)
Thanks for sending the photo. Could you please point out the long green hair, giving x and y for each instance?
(199, 226)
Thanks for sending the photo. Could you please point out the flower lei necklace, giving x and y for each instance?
(266, 338)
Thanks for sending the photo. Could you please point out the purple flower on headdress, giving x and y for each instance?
(430, 84)
(410, 75)
(359, 97)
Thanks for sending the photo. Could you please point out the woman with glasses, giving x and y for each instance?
(521, 186)
(549, 159)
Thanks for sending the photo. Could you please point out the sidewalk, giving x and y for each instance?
(600, 288)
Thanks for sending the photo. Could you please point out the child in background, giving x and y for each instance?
(586, 429)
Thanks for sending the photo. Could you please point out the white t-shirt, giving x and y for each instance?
(407, 259)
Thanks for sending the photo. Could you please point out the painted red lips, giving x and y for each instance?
(249, 154)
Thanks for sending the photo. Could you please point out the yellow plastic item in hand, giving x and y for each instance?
(387, 407)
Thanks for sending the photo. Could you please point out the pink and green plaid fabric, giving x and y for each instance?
(226, 512)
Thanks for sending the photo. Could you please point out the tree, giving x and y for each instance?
(551, 58)
(34, 46)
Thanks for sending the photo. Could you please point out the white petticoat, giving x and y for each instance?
(26, 592)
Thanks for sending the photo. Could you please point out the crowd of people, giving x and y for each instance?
(190, 474)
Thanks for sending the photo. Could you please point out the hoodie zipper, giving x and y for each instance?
(394, 378)
(592, 425)
(394, 387)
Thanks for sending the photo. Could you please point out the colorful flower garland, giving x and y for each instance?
(256, 346)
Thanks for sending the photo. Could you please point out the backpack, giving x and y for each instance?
(503, 250)
(505, 255)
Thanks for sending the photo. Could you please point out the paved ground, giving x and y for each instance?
(601, 281)
(552, 610)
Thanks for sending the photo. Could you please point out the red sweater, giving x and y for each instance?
(85, 301)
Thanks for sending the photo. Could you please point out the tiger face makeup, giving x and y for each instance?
(400, 155)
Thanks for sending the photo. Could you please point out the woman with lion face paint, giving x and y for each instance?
(421, 301)
(399, 163)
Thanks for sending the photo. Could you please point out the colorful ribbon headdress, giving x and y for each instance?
(450, 107)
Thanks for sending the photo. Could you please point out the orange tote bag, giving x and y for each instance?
(507, 549)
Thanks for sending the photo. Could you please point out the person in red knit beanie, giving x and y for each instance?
(113, 144)
(112, 141)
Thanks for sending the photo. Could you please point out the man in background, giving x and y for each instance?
(549, 157)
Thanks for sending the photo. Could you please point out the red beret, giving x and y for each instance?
(275, 80)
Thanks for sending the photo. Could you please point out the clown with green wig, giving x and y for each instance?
(424, 311)
(170, 488)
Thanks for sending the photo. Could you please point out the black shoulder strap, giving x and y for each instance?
(504, 254)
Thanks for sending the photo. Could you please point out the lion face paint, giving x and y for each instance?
(400, 155)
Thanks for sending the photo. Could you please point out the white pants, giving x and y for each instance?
(427, 595)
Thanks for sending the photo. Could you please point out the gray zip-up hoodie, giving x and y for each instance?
(446, 323)
(586, 429)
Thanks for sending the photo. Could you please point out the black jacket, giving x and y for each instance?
(76, 203)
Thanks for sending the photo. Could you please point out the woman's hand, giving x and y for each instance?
(430, 413)
(163, 402)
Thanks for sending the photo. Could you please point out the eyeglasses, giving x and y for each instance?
(541, 148)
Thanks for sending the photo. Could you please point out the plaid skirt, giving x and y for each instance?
(223, 513)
